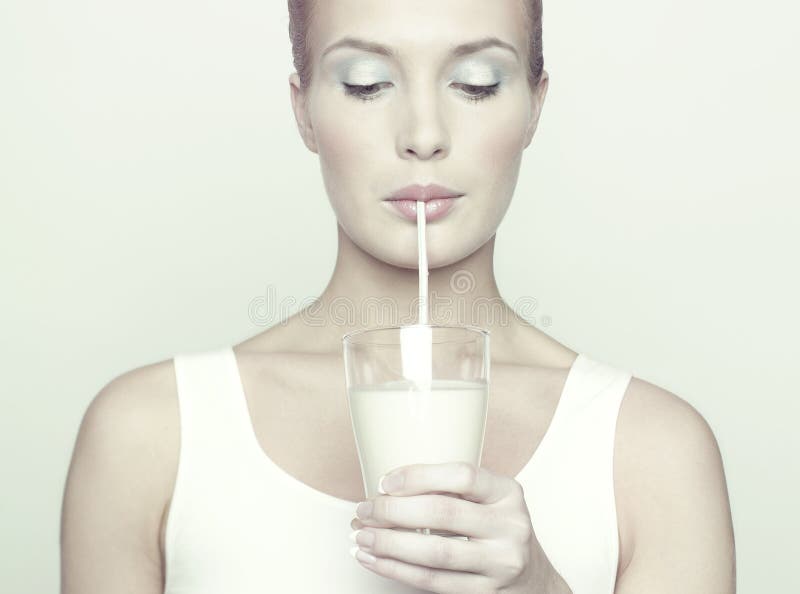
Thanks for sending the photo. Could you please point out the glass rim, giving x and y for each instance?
(355, 333)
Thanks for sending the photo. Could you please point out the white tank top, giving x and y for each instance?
(240, 524)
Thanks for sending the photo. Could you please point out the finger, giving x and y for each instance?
(437, 512)
(434, 551)
(471, 482)
(443, 581)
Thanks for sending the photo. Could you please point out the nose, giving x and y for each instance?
(423, 134)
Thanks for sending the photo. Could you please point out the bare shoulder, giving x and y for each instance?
(138, 394)
(143, 404)
(138, 390)
(654, 418)
(139, 410)
(671, 490)
(120, 478)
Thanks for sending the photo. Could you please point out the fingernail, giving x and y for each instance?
(365, 538)
(391, 482)
(361, 555)
(354, 534)
(364, 509)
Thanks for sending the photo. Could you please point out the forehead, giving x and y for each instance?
(419, 27)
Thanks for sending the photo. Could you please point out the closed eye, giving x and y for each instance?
(371, 92)
(479, 93)
(363, 92)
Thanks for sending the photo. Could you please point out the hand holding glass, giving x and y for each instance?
(401, 416)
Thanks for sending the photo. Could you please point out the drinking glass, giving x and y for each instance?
(417, 395)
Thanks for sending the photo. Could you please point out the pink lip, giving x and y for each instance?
(424, 193)
(438, 201)
(435, 208)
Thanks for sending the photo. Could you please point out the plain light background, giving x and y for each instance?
(154, 187)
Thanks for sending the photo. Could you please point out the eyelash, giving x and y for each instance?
(357, 91)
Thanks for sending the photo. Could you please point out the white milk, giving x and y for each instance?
(397, 423)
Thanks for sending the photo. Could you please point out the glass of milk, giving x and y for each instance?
(417, 395)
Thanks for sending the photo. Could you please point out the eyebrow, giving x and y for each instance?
(459, 50)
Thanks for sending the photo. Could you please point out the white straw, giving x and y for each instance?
(422, 249)
(416, 341)
(423, 340)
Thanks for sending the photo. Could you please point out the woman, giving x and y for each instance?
(235, 470)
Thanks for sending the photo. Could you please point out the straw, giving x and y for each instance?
(422, 249)
(416, 340)
(417, 346)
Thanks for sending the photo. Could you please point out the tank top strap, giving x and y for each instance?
(571, 489)
(593, 386)
(210, 412)
(584, 424)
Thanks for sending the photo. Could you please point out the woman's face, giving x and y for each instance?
(422, 116)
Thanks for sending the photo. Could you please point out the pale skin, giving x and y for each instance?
(674, 519)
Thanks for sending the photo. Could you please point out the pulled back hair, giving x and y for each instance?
(301, 14)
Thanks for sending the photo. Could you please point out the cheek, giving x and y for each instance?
(494, 145)
(496, 140)
(347, 152)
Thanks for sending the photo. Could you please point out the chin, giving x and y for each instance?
(446, 246)
(436, 259)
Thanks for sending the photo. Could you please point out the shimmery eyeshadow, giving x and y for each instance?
(475, 72)
(362, 72)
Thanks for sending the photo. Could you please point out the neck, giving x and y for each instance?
(364, 292)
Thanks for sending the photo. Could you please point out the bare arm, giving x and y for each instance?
(118, 481)
(680, 512)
